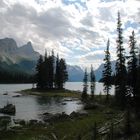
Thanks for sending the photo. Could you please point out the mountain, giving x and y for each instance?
(13, 54)
(8, 45)
(27, 52)
(14, 58)
(75, 73)
(98, 72)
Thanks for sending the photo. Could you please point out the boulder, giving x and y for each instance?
(51, 118)
(8, 109)
(19, 121)
(74, 114)
(33, 122)
(48, 117)
(78, 114)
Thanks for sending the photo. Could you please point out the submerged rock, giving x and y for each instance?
(6, 93)
(8, 109)
(16, 96)
(63, 103)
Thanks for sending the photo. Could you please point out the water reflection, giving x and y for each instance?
(58, 105)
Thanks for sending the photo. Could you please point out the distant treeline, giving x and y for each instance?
(15, 77)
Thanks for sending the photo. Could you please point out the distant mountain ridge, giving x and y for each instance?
(98, 72)
(10, 51)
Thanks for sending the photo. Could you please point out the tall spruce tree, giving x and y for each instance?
(46, 70)
(132, 66)
(120, 81)
(107, 72)
(51, 70)
(84, 95)
(92, 82)
(138, 85)
(57, 73)
(39, 73)
(63, 73)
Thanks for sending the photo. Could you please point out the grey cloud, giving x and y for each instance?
(105, 14)
(55, 23)
(88, 34)
(95, 56)
(16, 22)
(137, 16)
(87, 21)
(2, 4)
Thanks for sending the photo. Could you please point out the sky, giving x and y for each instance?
(76, 29)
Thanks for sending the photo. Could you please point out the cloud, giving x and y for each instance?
(87, 20)
(55, 23)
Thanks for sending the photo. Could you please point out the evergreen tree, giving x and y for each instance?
(63, 73)
(92, 82)
(107, 72)
(46, 70)
(39, 74)
(85, 86)
(51, 73)
(132, 66)
(120, 81)
(138, 85)
(51, 70)
(57, 73)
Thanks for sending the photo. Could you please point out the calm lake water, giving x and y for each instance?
(30, 107)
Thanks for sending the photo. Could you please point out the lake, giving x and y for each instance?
(30, 107)
(79, 86)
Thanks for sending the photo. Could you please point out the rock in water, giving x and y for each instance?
(8, 109)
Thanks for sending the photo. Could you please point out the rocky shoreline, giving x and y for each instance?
(52, 118)
(46, 119)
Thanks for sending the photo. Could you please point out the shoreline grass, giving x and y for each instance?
(51, 93)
